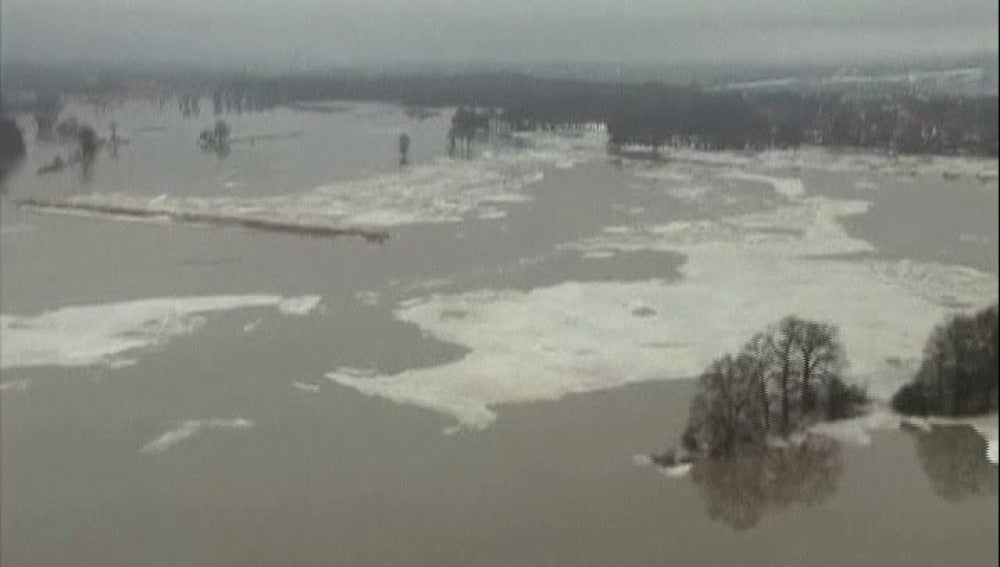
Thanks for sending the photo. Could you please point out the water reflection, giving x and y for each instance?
(954, 460)
(741, 491)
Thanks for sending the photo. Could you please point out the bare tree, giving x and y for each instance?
(216, 140)
(727, 414)
(464, 125)
(404, 148)
(786, 335)
(821, 354)
(46, 112)
(760, 355)
(12, 149)
(89, 144)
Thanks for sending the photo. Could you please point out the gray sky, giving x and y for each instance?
(324, 32)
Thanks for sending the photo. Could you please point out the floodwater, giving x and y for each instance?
(475, 390)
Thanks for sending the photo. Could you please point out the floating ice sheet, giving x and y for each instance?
(742, 273)
(188, 429)
(107, 333)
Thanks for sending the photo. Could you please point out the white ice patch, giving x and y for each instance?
(859, 430)
(18, 385)
(663, 174)
(85, 335)
(303, 305)
(673, 471)
(598, 254)
(492, 213)
(854, 161)
(188, 429)
(787, 187)
(13, 229)
(309, 387)
(676, 471)
(369, 298)
(742, 273)
(694, 193)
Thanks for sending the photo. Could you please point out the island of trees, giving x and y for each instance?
(783, 380)
(790, 376)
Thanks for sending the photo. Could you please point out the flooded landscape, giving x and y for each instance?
(191, 376)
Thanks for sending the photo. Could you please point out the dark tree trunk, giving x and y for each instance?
(765, 406)
(808, 400)
(785, 402)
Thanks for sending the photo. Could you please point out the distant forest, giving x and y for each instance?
(651, 115)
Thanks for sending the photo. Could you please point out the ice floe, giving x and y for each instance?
(813, 158)
(310, 387)
(109, 333)
(742, 272)
(18, 385)
(302, 305)
(190, 428)
(788, 187)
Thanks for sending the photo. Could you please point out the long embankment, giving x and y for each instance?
(303, 228)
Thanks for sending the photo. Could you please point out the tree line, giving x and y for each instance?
(652, 114)
(657, 115)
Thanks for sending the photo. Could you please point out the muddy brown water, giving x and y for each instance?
(326, 476)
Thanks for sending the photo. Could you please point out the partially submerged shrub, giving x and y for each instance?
(216, 140)
(910, 400)
(844, 400)
(959, 374)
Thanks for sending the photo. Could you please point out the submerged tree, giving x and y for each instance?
(216, 103)
(12, 150)
(791, 371)
(216, 140)
(464, 124)
(958, 375)
(760, 349)
(727, 414)
(115, 141)
(46, 112)
(89, 143)
(785, 337)
(404, 148)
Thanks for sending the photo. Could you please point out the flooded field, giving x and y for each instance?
(474, 388)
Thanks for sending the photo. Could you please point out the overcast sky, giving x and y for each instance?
(327, 32)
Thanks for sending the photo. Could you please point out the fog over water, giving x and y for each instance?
(307, 33)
